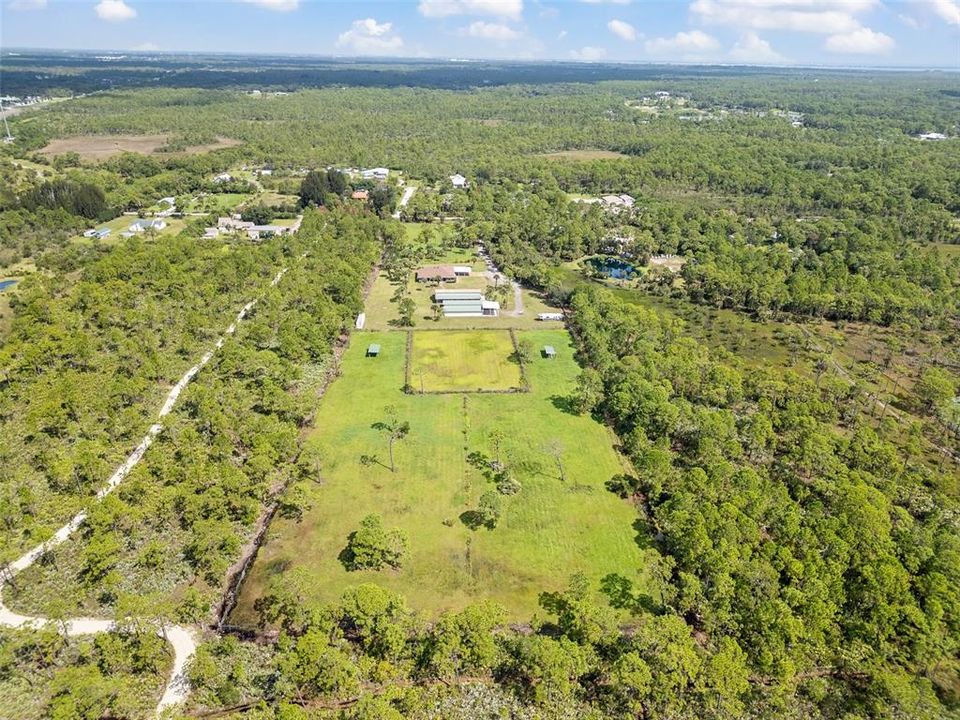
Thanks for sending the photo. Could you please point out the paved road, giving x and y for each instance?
(183, 639)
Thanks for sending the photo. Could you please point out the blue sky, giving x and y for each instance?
(818, 32)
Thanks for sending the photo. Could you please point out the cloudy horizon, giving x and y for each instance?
(814, 33)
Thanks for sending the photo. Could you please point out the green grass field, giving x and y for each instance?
(464, 360)
(218, 203)
(382, 312)
(121, 224)
(549, 530)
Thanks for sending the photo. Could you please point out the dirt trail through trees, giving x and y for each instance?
(182, 638)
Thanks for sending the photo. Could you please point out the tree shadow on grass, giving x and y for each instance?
(645, 534)
(564, 404)
(347, 557)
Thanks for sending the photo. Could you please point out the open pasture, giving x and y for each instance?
(463, 360)
(556, 525)
(101, 147)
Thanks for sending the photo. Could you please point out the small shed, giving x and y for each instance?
(548, 352)
(373, 350)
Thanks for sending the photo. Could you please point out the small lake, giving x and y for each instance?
(4, 284)
(613, 267)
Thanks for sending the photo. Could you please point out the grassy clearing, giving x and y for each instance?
(216, 203)
(121, 224)
(548, 531)
(382, 312)
(464, 360)
(948, 250)
(101, 147)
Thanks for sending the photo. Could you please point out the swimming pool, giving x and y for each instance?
(613, 267)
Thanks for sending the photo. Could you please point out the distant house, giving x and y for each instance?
(436, 273)
(548, 352)
(375, 174)
(466, 303)
(373, 350)
(102, 233)
(167, 201)
(617, 201)
(142, 225)
(222, 178)
(233, 223)
(265, 171)
(458, 181)
(211, 232)
(255, 232)
(549, 316)
(360, 195)
(932, 136)
(462, 270)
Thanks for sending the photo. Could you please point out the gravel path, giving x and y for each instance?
(183, 639)
(404, 199)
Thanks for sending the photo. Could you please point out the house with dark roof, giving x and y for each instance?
(436, 273)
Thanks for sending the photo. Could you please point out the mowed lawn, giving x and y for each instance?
(548, 531)
(465, 360)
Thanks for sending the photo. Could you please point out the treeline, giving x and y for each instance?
(853, 159)
(844, 268)
(787, 525)
(45, 674)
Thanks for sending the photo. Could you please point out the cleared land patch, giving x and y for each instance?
(99, 147)
(549, 530)
(463, 360)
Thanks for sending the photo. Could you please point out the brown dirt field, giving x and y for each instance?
(100, 147)
(584, 155)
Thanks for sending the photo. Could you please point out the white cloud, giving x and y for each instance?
(815, 16)
(512, 9)
(368, 37)
(145, 47)
(605, 2)
(860, 42)
(751, 48)
(114, 11)
(27, 4)
(589, 53)
(623, 30)
(561, 35)
(685, 44)
(909, 21)
(276, 5)
(949, 10)
(491, 31)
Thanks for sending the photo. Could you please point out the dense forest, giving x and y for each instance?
(803, 518)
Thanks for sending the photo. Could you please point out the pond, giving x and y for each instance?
(613, 267)
(4, 284)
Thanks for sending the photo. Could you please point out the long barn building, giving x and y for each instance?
(466, 303)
